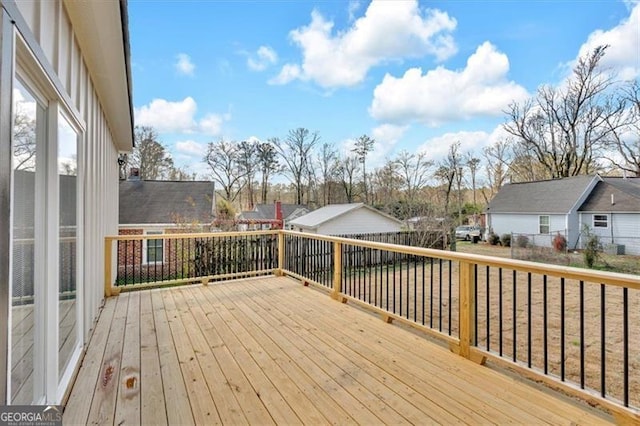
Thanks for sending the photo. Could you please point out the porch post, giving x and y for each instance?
(6, 130)
(280, 271)
(337, 273)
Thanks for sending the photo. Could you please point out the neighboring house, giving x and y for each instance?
(263, 216)
(542, 209)
(153, 207)
(612, 211)
(340, 219)
(65, 116)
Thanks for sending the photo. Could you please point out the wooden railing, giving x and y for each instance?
(574, 329)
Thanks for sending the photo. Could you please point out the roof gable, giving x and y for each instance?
(614, 194)
(549, 196)
(146, 202)
(330, 212)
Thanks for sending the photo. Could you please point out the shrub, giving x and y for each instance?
(493, 239)
(522, 241)
(590, 252)
(506, 240)
(559, 243)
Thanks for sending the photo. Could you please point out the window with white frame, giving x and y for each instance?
(154, 248)
(543, 224)
(600, 220)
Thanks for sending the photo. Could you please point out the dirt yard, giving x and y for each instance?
(505, 303)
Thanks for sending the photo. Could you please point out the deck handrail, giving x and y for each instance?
(344, 267)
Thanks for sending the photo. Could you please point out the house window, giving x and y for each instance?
(543, 222)
(154, 250)
(600, 221)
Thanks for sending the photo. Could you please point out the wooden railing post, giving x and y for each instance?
(466, 309)
(281, 240)
(337, 273)
(108, 244)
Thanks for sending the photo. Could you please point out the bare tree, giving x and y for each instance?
(248, 162)
(223, 158)
(386, 184)
(565, 128)
(497, 163)
(268, 165)
(362, 148)
(296, 151)
(328, 162)
(348, 168)
(149, 155)
(413, 173)
(447, 171)
(24, 139)
(625, 130)
(473, 163)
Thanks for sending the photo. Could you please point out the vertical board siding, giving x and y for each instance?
(51, 27)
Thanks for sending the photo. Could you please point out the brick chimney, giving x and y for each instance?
(279, 217)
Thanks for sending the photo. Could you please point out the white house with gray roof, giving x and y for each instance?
(339, 219)
(612, 211)
(543, 208)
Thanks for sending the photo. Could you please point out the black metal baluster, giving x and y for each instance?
(514, 316)
(488, 308)
(450, 290)
(603, 340)
(581, 334)
(529, 319)
(423, 294)
(440, 296)
(562, 329)
(394, 282)
(545, 321)
(625, 333)
(431, 292)
(500, 310)
(400, 301)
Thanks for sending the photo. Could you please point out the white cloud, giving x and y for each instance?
(211, 124)
(389, 30)
(191, 148)
(623, 54)
(167, 116)
(442, 95)
(470, 141)
(354, 6)
(184, 65)
(179, 117)
(263, 58)
(288, 73)
(385, 136)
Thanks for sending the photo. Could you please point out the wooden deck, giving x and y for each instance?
(268, 350)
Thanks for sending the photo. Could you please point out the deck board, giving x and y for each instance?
(268, 350)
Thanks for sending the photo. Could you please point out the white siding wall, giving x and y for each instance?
(526, 224)
(625, 228)
(360, 221)
(52, 29)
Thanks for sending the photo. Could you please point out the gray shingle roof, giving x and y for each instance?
(548, 196)
(268, 211)
(151, 201)
(324, 214)
(626, 196)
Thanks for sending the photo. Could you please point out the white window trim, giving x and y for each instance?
(145, 246)
(593, 220)
(548, 225)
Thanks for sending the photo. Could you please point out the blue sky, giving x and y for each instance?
(414, 75)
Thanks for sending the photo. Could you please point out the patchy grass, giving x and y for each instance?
(622, 263)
